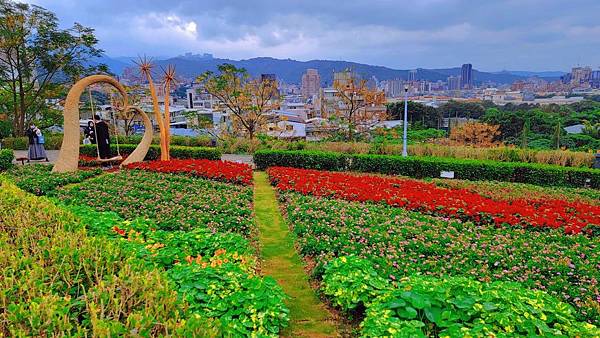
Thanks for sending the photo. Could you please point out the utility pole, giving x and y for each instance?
(405, 123)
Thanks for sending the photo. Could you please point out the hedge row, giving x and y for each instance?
(180, 152)
(54, 141)
(422, 167)
(6, 159)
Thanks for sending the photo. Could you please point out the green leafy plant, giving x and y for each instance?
(6, 158)
(352, 282)
(458, 307)
(57, 280)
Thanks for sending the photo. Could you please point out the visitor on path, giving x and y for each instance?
(36, 144)
(102, 138)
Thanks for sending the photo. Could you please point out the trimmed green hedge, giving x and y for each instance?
(179, 152)
(6, 159)
(54, 141)
(422, 167)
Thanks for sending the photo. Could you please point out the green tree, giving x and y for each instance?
(37, 58)
(456, 109)
(249, 101)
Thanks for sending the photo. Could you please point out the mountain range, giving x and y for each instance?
(290, 71)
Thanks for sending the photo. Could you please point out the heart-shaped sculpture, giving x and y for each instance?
(68, 158)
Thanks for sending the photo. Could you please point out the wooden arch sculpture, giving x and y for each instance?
(68, 158)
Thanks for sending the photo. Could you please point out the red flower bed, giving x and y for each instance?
(574, 217)
(218, 170)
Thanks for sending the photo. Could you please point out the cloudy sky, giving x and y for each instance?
(491, 34)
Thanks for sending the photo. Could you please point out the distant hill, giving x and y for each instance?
(290, 71)
(546, 74)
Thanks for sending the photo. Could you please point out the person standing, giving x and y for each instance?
(102, 137)
(36, 144)
(88, 134)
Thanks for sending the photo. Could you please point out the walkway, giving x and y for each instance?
(309, 317)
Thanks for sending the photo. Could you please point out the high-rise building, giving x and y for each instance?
(393, 88)
(581, 76)
(311, 83)
(595, 79)
(412, 75)
(454, 83)
(466, 76)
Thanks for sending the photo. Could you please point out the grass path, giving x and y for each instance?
(308, 315)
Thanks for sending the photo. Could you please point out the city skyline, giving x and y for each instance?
(421, 34)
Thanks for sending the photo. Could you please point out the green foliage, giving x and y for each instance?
(352, 282)
(39, 180)
(178, 152)
(6, 159)
(245, 305)
(421, 167)
(165, 248)
(58, 281)
(54, 141)
(214, 272)
(39, 58)
(458, 307)
(5, 129)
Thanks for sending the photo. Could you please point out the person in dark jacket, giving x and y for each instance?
(102, 137)
(36, 144)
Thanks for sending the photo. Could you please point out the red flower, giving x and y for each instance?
(411, 194)
(218, 170)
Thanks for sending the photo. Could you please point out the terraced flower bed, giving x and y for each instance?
(400, 243)
(39, 180)
(174, 202)
(198, 231)
(216, 170)
(571, 216)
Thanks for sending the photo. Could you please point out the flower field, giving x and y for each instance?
(195, 233)
(174, 202)
(397, 243)
(38, 179)
(571, 216)
(217, 170)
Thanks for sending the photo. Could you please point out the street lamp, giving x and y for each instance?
(405, 123)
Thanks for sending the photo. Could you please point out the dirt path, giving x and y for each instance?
(309, 317)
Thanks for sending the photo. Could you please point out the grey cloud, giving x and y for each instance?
(493, 34)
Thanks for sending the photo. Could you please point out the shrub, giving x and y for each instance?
(52, 142)
(6, 159)
(178, 152)
(458, 307)
(58, 281)
(421, 167)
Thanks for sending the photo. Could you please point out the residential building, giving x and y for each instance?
(311, 83)
(454, 83)
(412, 75)
(580, 76)
(285, 124)
(595, 79)
(466, 76)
